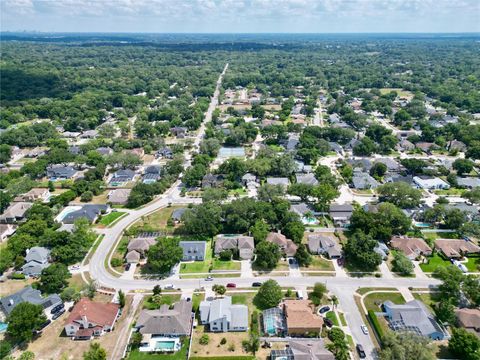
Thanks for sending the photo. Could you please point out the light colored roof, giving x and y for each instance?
(278, 181)
(299, 314)
(308, 179)
(16, 210)
(456, 247)
(410, 246)
(309, 349)
(287, 245)
(468, 181)
(236, 315)
(469, 318)
(119, 195)
(28, 294)
(38, 254)
(233, 241)
(141, 244)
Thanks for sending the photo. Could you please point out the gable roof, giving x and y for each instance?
(308, 179)
(285, 244)
(27, 294)
(469, 318)
(165, 320)
(411, 247)
(300, 314)
(456, 247)
(89, 211)
(97, 313)
(38, 254)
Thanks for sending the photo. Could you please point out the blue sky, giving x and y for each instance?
(244, 16)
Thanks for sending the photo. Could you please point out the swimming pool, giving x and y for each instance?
(3, 327)
(165, 345)
(422, 225)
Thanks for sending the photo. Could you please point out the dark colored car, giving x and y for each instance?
(361, 352)
(328, 322)
(57, 308)
(58, 314)
(127, 267)
(231, 285)
(256, 284)
(324, 309)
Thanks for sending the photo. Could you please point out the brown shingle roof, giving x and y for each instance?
(469, 318)
(285, 244)
(411, 247)
(456, 247)
(97, 313)
(299, 315)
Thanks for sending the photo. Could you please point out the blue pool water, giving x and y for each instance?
(165, 345)
(3, 327)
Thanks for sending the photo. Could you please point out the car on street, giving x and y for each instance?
(209, 278)
(361, 352)
(168, 286)
(256, 284)
(231, 285)
(324, 309)
(364, 329)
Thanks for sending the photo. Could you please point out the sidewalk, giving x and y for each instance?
(246, 269)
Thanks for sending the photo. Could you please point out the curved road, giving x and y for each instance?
(343, 287)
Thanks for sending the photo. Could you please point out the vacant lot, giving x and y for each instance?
(158, 219)
(232, 346)
(319, 263)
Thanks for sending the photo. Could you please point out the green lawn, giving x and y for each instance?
(440, 235)
(110, 218)
(226, 265)
(427, 298)
(373, 301)
(343, 321)
(165, 299)
(451, 191)
(473, 264)
(198, 266)
(179, 355)
(434, 261)
(240, 191)
(244, 299)
(158, 219)
(365, 290)
(333, 317)
(319, 263)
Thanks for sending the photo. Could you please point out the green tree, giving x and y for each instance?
(378, 170)
(157, 290)
(5, 349)
(338, 346)
(252, 344)
(269, 295)
(472, 195)
(405, 345)
(268, 192)
(121, 298)
(402, 264)
(95, 352)
(294, 230)
(259, 231)
(267, 255)
(463, 166)
(302, 256)
(365, 147)
(54, 278)
(319, 290)
(464, 344)
(202, 221)
(445, 311)
(23, 319)
(219, 289)
(400, 194)
(164, 255)
(27, 355)
(359, 251)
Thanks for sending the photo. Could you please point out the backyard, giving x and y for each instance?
(179, 355)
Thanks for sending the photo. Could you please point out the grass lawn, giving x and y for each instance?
(179, 355)
(244, 299)
(76, 282)
(434, 261)
(240, 191)
(94, 248)
(427, 298)
(400, 92)
(343, 321)
(198, 266)
(165, 299)
(440, 235)
(365, 290)
(333, 317)
(373, 301)
(226, 265)
(451, 191)
(473, 264)
(319, 263)
(158, 219)
(110, 218)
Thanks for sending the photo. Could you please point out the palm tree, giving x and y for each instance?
(334, 301)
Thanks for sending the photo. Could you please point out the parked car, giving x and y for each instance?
(168, 287)
(364, 329)
(328, 322)
(57, 308)
(324, 309)
(256, 284)
(209, 278)
(127, 267)
(231, 285)
(58, 314)
(361, 352)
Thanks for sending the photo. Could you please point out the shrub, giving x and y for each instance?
(223, 341)
(376, 324)
(204, 340)
(116, 262)
(18, 276)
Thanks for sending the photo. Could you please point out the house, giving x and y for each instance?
(326, 245)
(193, 250)
(105, 151)
(405, 145)
(382, 250)
(221, 316)
(212, 181)
(308, 179)
(15, 212)
(411, 247)
(177, 215)
(118, 196)
(6, 230)
(285, 245)
(71, 134)
(164, 324)
(30, 295)
(413, 317)
(305, 212)
(282, 181)
(341, 214)
(74, 149)
(392, 165)
(303, 349)
(274, 322)
(337, 148)
(36, 260)
(456, 145)
(469, 319)
(399, 178)
(468, 182)
(35, 194)
(430, 183)
(363, 181)
(60, 172)
(360, 165)
(122, 176)
(165, 153)
(137, 248)
(91, 212)
(301, 318)
(456, 248)
(178, 131)
(89, 319)
(245, 245)
(248, 178)
(136, 151)
(292, 142)
(426, 147)
(152, 174)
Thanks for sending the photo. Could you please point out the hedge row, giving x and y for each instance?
(376, 325)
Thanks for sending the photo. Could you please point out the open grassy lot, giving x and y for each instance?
(179, 355)
(373, 301)
(400, 92)
(11, 286)
(434, 261)
(76, 282)
(440, 235)
(451, 191)
(319, 263)
(158, 219)
(108, 219)
(226, 265)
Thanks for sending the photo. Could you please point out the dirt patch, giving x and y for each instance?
(233, 346)
(12, 286)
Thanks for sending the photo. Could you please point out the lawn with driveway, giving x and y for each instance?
(374, 301)
(434, 262)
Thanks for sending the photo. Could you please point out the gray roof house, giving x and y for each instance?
(15, 212)
(60, 172)
(89, 212)
(193, 250)
(122, 176)
(221, 316)
(321, 244)
(28, 294)
(382, 250)
(303, 349)
(308, 179)
(363, 181)
(248, 178)
(392, 165)
(177, 214)
(244, 244)
(118, 196)
(415, 317)
(165, 321)
(212, 181)
(468, 182)
(283, 181)
(36, 260)
(341, 213)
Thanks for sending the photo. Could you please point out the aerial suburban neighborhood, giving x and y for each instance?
(239, 197)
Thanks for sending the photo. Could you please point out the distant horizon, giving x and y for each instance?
(238, 33)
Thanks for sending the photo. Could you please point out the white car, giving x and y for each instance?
(364, 329)
(168, 287)
(209, 278)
